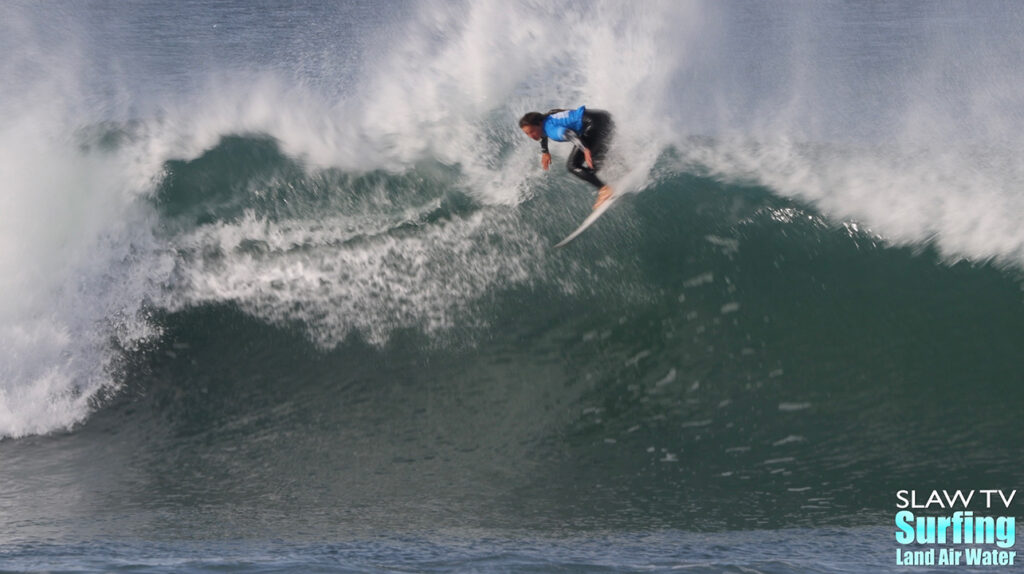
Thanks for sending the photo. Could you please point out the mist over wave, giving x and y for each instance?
(362, 174)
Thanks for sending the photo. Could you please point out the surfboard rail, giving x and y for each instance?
(594, 216)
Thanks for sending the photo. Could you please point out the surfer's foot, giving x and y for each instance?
(603, 195)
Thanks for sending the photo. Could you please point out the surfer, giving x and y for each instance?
(588, 130)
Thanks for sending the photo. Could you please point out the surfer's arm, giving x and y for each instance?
(574, 137)
(545, 155)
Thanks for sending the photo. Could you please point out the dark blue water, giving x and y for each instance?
(279, 292)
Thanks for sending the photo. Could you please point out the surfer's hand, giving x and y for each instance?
(545, 160)
(588, 157)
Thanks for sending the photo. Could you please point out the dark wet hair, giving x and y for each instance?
(532, 119)
(537, 118)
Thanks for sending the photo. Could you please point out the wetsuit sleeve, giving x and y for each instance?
(574, 137)
(544, 145)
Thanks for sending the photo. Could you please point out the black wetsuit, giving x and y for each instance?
(595, 136)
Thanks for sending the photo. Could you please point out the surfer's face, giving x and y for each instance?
(533, 131)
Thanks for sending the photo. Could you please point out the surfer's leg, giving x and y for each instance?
(597, 134)
(578, 167)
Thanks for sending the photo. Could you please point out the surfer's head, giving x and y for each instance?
(532, 124)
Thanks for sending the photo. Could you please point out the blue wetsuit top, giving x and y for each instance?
(557, 124)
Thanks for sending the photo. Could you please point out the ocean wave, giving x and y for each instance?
(389, 190)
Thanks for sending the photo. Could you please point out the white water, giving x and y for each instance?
(906, 119)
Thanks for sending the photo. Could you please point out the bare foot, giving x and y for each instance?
(602, 196)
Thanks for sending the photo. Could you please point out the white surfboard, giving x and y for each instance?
(594, 215)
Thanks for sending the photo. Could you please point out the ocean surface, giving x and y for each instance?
(278, 292)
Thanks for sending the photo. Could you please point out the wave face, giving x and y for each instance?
(299, 258)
